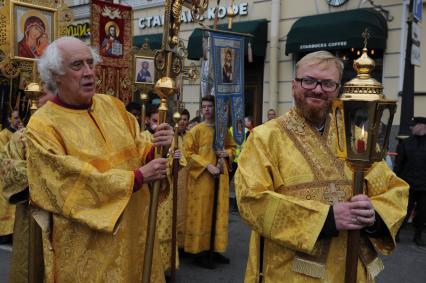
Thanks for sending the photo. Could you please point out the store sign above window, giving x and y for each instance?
(79, 30)
(186, 17)
(324, 45)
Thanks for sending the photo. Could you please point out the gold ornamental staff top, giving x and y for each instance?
(363, 86)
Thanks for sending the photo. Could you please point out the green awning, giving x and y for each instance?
(339, 30)
(154, 40)
(257, 28)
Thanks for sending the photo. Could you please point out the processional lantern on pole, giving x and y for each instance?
(363, 120)
(144, 100)
(169, 64)
(33, 90)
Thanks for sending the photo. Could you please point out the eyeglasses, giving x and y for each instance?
(311, 83)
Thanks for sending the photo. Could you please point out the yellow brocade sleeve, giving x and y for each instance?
(289, 221)
(5, 136)
(146, 136)
(182, 159)
(389, 196)
(143, 143)
(13, 166)
(197, 161)
(73, 188)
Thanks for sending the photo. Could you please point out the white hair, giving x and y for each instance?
(51, 62)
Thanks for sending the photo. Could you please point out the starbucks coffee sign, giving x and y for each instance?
(186, 17)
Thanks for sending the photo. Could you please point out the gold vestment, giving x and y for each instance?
(5, 136)
(13, 181)
(182, 195)
(200, 153)
(287, 178)
(7, 210)
(164, 214)
(81, 170)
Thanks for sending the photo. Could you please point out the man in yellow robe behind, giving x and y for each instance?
(14, 187)
(7, 210)
(294, 193)
(182, 181)
(88, 167)
(203, 166)
(15, 124)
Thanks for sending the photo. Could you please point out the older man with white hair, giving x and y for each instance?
(88, 167)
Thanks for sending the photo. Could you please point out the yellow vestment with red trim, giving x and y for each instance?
(80, 170)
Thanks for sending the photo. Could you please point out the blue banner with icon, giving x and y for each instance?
(227, 53)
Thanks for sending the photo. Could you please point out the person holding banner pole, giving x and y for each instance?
(182, 181)
(203, 162)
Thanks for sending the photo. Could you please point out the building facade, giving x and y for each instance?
(283, 32)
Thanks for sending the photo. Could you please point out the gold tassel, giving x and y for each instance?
(313, 264)
(249, 52)
(369, 258)
(374, 268)
(307, 267)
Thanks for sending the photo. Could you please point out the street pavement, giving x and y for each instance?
(407, 264)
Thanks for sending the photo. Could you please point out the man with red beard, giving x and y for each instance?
(296, 195)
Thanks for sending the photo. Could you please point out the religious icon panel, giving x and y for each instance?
(111, 45)
(34, 30)
(144, 70)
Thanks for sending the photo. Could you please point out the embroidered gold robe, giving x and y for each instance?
(165, 213)
(7, 210)
(80, 169)
(182, 195)
(5, 136)
(287, 178)
(199, 152)
(13, 180)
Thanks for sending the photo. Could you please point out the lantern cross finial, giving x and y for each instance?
(366, 36)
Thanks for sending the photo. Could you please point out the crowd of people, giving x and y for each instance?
(83, 168)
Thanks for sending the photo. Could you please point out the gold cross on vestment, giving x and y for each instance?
(332, 195)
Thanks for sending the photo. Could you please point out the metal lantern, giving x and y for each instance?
(34, 90)
(363, 120)
(363, 117)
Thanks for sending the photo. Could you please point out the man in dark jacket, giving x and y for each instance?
(410, 165)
